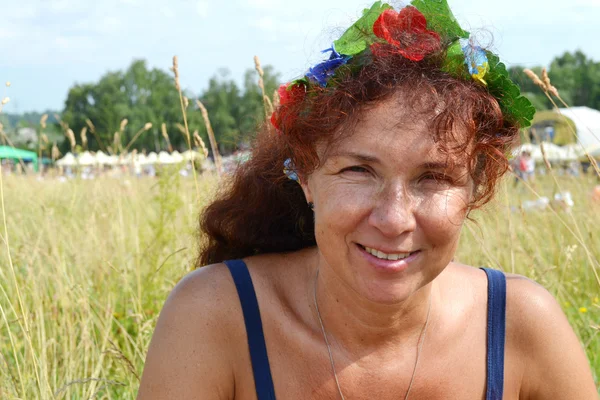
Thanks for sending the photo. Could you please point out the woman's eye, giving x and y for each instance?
(432, 176)
(355, 168)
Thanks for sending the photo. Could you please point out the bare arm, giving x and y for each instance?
(188, 356)
(556, 366)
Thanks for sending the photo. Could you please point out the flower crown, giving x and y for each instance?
(416, 31)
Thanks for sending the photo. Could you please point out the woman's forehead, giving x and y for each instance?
(394, 129)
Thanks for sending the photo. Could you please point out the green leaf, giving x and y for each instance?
(440, 19)
(515, 106)
(300, 81)
(360, 35)
(454, 63)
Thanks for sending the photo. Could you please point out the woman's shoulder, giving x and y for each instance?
(207, 291)
(527, 302)
(550, 352)
(193, 347)
(522, 293)
(531, 309)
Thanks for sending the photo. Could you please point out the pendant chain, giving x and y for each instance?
(420, 343)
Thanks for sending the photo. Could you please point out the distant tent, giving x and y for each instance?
(587, 122)
(10, 153)
(67, 161)
(165, 158)
(86, 158)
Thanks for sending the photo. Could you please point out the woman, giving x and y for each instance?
(347, 288)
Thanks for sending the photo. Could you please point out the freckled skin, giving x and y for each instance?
(394, 203)
(383, 187)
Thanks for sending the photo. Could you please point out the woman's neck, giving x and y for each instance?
(360, 326)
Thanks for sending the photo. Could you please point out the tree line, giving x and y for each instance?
(142, 95)
(576, 77)
(146, 96)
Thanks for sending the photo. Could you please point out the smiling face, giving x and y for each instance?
(388, 210)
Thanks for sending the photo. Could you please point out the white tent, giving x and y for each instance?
(102, 158)
(528, 147)
(573, 151)
(123, 159)
(552, 151)
(67, 161)
(152, 158)
(594, 150)
(587, 122)
(140, 159)
(177, 157)
(189, 155)
(86, 158)
(165, 158)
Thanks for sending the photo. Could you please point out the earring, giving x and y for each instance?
(311, 205)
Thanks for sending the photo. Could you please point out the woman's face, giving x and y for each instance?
(388, 210)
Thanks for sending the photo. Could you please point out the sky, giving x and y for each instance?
(47, 46)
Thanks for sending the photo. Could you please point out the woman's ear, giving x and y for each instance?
(304, 182)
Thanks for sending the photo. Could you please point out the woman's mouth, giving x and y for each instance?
(386, 256)
(397, 260)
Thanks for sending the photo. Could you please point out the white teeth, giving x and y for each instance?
(384, 256)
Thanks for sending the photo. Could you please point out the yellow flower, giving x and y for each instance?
(482, 70)
(583, 310)
(596, 300)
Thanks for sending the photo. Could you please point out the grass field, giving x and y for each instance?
(91, 263)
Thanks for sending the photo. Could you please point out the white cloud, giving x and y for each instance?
(19, 11)
(7, 33)
(202, 8)
(587, 3)
(167, 11)
(266, 23)
(262, 4)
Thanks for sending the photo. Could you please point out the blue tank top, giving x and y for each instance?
(263, 380)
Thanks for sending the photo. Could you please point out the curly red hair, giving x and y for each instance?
(259, 210)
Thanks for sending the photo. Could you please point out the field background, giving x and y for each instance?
(91, 263)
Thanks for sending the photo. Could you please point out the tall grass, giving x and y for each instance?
(85, 266)
(93, 262)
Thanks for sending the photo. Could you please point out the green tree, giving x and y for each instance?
(104, 103)
(222, 101)
(528, 88)
(577, 78)
(142, 95)
(253, 110)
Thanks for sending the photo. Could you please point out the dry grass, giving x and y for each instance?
(91, 263)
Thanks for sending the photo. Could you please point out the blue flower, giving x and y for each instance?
(477, 62)
(290, 170)
(321, 72)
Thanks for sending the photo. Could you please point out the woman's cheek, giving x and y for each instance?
(350, 199)
(342, 207)
(443, 211)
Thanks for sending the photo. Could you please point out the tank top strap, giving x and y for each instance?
(254, 330)
(496, 333)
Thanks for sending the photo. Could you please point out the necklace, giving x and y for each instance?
(420, 342)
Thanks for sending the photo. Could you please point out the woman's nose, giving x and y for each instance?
(393, 212)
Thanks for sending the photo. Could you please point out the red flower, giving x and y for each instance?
(288, 97)
(407, 32)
